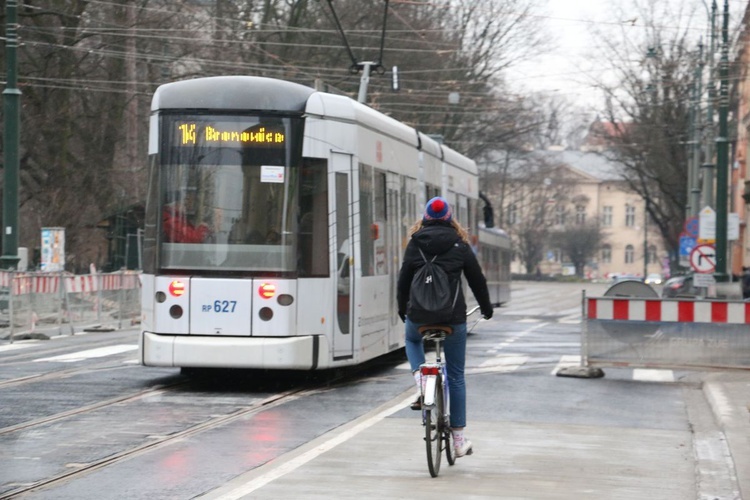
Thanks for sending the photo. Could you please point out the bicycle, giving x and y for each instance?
(435, 399)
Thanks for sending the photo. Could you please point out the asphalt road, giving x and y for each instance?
(79, 419)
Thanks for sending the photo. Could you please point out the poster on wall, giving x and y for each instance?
(53, 249)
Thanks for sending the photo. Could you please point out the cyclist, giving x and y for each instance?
(437, 233)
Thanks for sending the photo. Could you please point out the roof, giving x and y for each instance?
(590, 164)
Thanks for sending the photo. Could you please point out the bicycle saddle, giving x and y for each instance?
(435, 330)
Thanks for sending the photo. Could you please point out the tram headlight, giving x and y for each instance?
(267, 290)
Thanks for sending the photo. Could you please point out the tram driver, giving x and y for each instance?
(178, 220)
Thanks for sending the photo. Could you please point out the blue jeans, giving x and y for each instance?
(454, 348)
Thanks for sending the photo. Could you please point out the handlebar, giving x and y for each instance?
(472, 311)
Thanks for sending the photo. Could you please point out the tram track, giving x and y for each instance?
(91, 407)
(79, 470)
(212, 423)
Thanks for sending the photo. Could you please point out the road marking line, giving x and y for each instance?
(566, 361)
(309, 455)
(91, 353)
(652, 375)
(13, 347)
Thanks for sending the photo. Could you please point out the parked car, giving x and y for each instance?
(626, 277)
(680, 286)
(654, 279)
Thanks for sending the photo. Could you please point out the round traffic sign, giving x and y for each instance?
(703, 259)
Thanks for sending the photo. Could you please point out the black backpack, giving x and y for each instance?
(431, 299)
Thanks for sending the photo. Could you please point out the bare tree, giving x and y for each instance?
(648, 107)
(579, 242)
(88, 71)
(532, 192)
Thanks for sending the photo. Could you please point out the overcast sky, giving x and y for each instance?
(570, 22)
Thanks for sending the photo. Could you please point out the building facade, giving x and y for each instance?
(545, 192)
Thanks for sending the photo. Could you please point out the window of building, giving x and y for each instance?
(560, 216)
(629, 254)
(606, 254)
(580, 214)
(607, 216)
(512, 214)
(629, 215)
(652, 254)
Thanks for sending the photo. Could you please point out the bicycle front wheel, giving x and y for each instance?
(433, 431)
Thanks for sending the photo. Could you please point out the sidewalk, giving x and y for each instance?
(381, 456)
(728, 394)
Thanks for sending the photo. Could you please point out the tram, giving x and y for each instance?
(276, 220)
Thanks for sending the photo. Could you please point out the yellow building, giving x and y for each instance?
(546, 191)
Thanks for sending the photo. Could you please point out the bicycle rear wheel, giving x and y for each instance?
(433, 431)
(448, 440)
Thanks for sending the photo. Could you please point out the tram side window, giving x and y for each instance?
(366, 219)
(431, 191)
(378, 233)
(313, 219)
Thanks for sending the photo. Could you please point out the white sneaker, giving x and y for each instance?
(465, 448)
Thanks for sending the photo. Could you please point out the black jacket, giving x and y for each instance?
(455, 257)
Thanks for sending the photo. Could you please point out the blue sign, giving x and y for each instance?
(687, 243)
(691, 228)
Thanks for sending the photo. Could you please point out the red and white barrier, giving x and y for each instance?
(81, 284)
(687, 311)
(36, 284)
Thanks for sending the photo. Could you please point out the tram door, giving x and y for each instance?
(394, 254)
(343, 340)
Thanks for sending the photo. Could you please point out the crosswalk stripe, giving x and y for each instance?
(503, 363)
(13, 347)
(653, 375)
(566, 361)
(91, 353)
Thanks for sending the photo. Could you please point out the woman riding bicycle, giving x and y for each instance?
(437, 233)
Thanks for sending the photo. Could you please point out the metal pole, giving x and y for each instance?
(364, 82)
(707, 191)
(722, 154)
(11, 134)
(695, 189)
(645, 239)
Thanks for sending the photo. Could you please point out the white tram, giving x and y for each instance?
(276, 221)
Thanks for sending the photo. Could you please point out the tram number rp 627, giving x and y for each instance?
(220, 306)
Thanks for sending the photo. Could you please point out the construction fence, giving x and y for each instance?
(665, 333)
(62, 303)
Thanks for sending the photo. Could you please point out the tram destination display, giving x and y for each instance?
(228, 133)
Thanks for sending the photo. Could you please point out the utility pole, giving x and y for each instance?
(694, 190)
(645, 238)
(131, 109)
(707, 191)
(11, 134)
(722, 154)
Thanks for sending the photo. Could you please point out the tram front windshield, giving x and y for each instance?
(227, 193)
